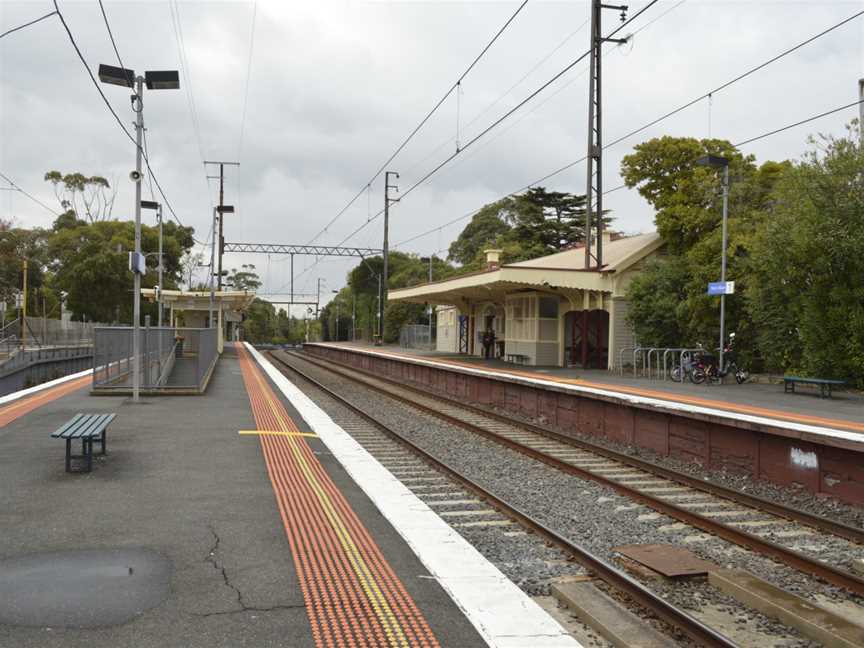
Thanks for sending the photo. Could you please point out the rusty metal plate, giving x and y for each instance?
(669, 560)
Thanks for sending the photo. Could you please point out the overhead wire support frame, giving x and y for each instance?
(312, 250)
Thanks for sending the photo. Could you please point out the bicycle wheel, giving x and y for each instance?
(677, 373)
(741, 375)
(697, 376)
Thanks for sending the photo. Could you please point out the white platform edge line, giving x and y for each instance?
(630, 398)
(46, 385)
(502, 613)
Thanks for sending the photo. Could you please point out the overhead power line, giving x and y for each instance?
(32, 22)
(113, 112)
(423, 121)
(750, 140)
(21, 191)
(111, 35)
(502, 118)
(671, 113)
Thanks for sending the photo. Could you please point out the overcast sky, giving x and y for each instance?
(336, 86)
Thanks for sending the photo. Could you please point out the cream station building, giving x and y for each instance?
(545, 311)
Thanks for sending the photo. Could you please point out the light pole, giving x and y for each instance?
(429, 308)
(719, 162)
(149, 204)
(336, 292)
(353, 316)
(155, 80)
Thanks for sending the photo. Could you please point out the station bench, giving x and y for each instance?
(88, 428)
(516, 358)
(824, 384)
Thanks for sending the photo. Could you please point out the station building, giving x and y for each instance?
(548, 311)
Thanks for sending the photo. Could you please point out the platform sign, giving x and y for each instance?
(721, 288)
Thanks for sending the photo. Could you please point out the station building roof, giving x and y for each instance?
(562, 272)
(227, 300)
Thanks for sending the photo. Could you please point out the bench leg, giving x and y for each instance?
(68, 455)
(87, 449)
(101, 441)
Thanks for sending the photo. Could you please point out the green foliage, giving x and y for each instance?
(806, 295)
(89, 262)
(94, 193)
(657, 298)
(482, 232)
(244, 279)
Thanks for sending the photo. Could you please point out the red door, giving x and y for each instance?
(588, 338)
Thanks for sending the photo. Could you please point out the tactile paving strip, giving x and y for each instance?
(353, 596)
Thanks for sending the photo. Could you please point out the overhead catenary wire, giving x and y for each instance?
(31, 197)
(32, 22)
(750, 71)
(501, 119)
(422, 123)
(745, 142)
(113, 112)
(111, 34)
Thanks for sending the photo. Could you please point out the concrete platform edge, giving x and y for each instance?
(21, 393)
(503, 615)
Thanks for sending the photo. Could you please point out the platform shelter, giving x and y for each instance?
(546, 311)
(193, 308)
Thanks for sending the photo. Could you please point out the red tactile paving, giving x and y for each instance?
(353, 596)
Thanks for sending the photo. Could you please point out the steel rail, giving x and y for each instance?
(633, 589)
(790, 557)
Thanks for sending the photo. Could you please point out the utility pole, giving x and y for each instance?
(161, 287)
(318, 299)
(861, 110)
(138, 260)
(24, 310)
(594, 206)
(221, 210)
(385, 251)
(353, 316)
(212, 268)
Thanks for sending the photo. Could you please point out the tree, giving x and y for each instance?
(553, 218)
(806, 295)
(95, 193)
(244, 279)
(483, 230)
(89, 261)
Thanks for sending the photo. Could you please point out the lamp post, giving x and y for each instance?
(155, 80)
(429, 308)
(336, 292)
(719, 162)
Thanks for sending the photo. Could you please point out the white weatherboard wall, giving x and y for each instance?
(502, 613)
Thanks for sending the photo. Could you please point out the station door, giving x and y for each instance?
(587, 339)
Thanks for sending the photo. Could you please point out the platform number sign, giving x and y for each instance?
(721, 288)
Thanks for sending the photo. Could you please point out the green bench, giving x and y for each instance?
(824, 384)
(88, 428)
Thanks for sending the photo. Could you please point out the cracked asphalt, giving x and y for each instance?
(180, 481)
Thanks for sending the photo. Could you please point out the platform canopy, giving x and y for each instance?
(181, 300)
(563, 273)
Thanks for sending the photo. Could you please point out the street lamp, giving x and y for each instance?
(158, 80)
(719, 162)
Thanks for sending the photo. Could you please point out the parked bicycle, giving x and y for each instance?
(706, 367)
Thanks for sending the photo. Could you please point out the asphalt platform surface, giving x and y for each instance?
(179, 481)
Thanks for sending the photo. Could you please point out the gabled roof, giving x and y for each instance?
(617, 255)
(562, 271)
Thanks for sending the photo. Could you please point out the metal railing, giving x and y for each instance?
(417, 336)
(171, 358)
(653, 362)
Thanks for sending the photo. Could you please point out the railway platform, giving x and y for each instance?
(242, 517)
(791, 439)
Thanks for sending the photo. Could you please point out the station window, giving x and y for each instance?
(549, 307)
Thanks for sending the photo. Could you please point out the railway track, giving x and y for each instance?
(712, 508)
(399, 454)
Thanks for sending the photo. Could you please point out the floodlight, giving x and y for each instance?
(162, 80)
(116, 75)
(713, 161)
(225, 209)
(149, 204)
